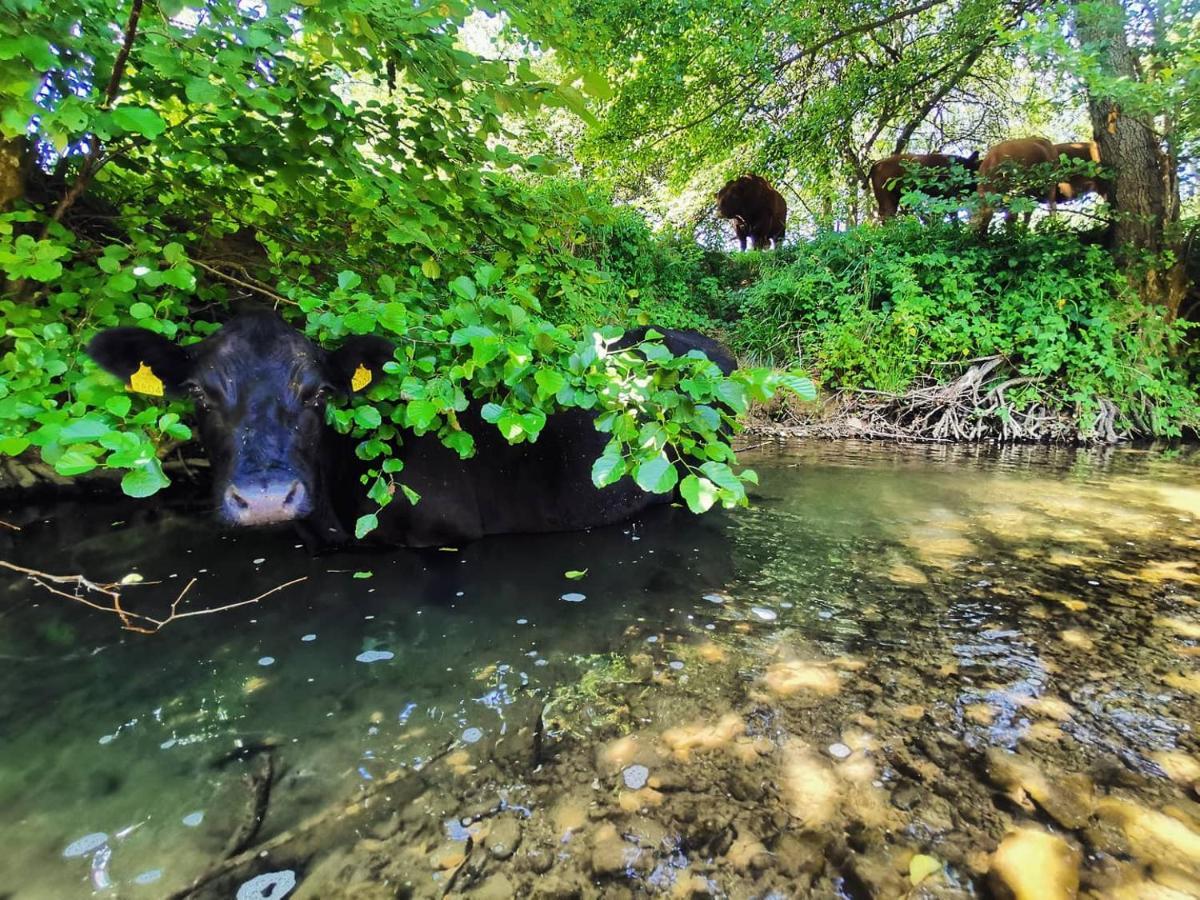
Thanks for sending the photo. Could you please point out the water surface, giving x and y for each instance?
(894, 660)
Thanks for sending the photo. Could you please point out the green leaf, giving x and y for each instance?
(549, 382)
(656, 475)
(348, 280)
(139, 120)
(81, 430)
(699, 493)
(575, 574)
(464, 287)
(801, 385)
(365, 525)
(609, 468)
(145, 480)
(13, 446)
(419, 414)
(367, 417)
(362, 575)
(201, 91)
(75, 461)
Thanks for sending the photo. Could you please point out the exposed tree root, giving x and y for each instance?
(975, 406)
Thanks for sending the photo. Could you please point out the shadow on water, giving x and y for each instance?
(897, 661)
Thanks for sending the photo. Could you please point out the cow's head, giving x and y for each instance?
(260, 389)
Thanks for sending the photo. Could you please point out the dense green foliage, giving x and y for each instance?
(353, 165)
(346, 162)
(879, 308)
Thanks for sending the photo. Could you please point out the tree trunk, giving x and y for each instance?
(1143, 186)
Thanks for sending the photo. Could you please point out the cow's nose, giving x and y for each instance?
(269, 501)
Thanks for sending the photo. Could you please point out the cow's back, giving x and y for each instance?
(543, 486)
(1023, 151)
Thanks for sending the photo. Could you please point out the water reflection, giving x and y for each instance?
(859, 687)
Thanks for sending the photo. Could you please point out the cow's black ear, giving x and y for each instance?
(358, 363)
(147, 362)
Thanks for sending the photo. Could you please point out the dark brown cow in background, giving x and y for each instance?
(1004, 164)
(1081, 185)
(757, 209)
(887, 174)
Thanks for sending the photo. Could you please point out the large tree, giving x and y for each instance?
(1133, 59)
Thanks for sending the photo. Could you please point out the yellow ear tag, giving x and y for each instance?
(144, 381)
(362, 377)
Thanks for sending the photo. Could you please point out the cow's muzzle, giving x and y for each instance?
(263, 501)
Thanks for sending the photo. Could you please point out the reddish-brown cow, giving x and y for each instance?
(887, 174)
(757, 209)
(1080, 185)
(1003, 165)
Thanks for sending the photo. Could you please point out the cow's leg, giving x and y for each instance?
(1052, 198)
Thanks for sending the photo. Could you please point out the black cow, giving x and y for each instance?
(260, 389)
(758, 211)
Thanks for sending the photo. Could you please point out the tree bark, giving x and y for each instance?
(1143, 186)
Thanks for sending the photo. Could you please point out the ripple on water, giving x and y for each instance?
(85, 844)
(370, 656)
(268, 886)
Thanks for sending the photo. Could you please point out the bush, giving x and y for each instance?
(881, 307)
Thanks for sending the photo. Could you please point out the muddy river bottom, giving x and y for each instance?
(904, 672)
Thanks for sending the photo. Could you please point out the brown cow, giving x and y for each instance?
(886, 177)
(757, 209)
(1003, 165)
(1080, 185)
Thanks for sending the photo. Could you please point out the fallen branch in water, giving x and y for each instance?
(141, 623)
(258, 784)
(339, 812)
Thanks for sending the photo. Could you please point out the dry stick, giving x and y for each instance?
(259, 783)
(10, 525)
(126, 616)
(252, 286)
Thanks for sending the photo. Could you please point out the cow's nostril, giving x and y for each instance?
(238, 500)
(291, 494)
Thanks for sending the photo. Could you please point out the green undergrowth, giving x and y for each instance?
(887, 308)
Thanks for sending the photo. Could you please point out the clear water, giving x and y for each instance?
(896, 651)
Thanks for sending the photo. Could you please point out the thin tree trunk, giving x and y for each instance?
(1143, 185)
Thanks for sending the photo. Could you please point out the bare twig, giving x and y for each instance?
(141, 623)
(255, 286)
(9, 525)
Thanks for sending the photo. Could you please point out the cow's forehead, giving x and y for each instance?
(258, 344)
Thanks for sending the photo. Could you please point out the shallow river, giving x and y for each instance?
(896, 662)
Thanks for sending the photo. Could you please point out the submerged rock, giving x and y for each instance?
(1066, 798)
(1034, 865)
(504, 837)
(810, 788)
